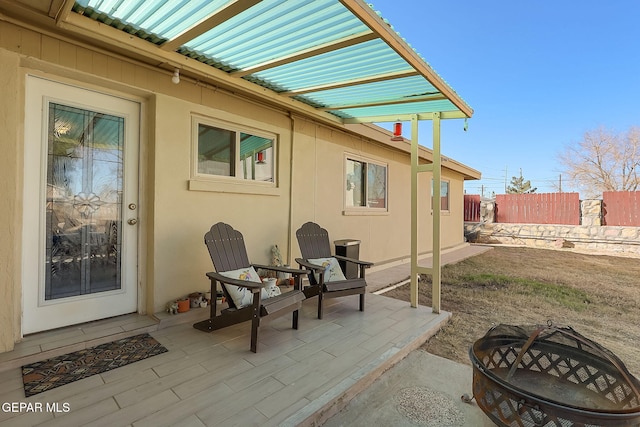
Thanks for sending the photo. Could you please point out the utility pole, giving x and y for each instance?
(560, 184)
(505, 180)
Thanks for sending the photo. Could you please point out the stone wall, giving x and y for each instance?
(589, 236)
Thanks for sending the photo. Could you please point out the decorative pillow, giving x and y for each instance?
(332, 270)
(241, 296)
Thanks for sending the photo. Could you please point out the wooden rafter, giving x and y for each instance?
(352, 82)
(229, 11)
(390, 102)
(381, 28)
(308, 53)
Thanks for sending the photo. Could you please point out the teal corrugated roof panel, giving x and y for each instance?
(321, 52)
(354, 62)
(274, 29)
(398, 89)
(163, 18)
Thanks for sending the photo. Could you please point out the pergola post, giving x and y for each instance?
(435, 168)
(414, 211)
(437, 200)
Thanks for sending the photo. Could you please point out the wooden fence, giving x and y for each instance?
(472, 207)
(544, 208)
(621, 208)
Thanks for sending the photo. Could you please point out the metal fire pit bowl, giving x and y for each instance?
(551, 376)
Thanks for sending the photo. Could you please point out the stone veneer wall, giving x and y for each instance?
(589, 236)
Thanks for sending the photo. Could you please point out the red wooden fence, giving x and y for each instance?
(472, 207)
(544, 208)
(621, 208)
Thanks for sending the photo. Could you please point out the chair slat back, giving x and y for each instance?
(313, 241)
(226, 248)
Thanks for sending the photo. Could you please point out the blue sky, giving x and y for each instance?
(538, 74)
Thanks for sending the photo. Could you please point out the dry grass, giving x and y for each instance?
(598, 295)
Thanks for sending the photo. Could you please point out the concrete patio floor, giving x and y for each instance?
(297, 378)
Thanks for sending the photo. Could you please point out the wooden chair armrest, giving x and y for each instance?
(306, 264)
(254, 286)
(366, 264)
(294, 271)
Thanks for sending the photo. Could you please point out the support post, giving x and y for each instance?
(436, 277)
(414, 211)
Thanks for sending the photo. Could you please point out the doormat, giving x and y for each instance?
(51, 373)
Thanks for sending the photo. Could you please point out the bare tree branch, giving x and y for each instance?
(603, 161)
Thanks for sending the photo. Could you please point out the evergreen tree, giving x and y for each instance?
(520, 186)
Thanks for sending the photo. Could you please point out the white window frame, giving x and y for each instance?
(197, 120)
(364, 209)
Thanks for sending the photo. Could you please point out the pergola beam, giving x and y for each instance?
(444, 115)
(353, 82)
(370, 18)
(308, 53)
(227, 12)
(390, 102)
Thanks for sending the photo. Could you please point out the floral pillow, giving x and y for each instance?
(243, 297)
(332, 270)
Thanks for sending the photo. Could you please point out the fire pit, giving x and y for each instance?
(551, 376)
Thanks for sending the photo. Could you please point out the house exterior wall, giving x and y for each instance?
(175, 208)
(385, 237)
(11, 192)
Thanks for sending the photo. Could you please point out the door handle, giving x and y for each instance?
(132, 221)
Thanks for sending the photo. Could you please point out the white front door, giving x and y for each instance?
(80, 205)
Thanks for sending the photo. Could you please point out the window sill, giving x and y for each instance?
(240, 187)
(364, 212)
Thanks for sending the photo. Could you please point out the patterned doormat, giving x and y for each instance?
(51, 373)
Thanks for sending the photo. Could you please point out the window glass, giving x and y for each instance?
(355, 183)
(366, 184)
(256, 157)
(216, 151)
(234, 153)
(444, 195)
(376, 186)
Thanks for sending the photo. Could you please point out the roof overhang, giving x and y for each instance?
(336, 60)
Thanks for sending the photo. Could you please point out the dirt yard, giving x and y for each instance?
(597, 295)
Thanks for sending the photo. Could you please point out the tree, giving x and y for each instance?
(603, 161)
(520, 186)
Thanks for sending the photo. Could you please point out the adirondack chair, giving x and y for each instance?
(229, 255)
(327, 279)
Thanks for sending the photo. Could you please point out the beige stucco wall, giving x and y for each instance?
(11, 193)
(175, 209)
(385, 237)
(182, 214)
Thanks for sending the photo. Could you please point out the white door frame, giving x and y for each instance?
(38, 314)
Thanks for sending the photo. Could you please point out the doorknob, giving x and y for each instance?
(132, 221)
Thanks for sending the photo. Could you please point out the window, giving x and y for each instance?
(444, 195)
(229, 151)
(366, 184)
